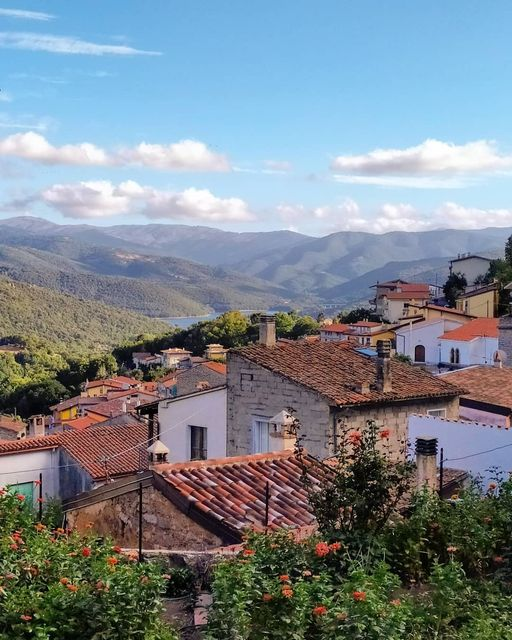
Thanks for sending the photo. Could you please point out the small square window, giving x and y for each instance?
(437, 413)
(198, 443)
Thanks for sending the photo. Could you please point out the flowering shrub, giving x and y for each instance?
(55, 584)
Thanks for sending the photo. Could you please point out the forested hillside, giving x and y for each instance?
(27, 310)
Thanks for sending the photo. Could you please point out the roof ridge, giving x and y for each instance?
(222, 462)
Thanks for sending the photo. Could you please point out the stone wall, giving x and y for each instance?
(8, 434)
(254, 391)
(164, 526)
(505, 338)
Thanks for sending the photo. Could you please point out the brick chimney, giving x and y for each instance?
(267, 330)
(383, 381)
(426, 462)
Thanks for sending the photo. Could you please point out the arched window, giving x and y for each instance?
(419, 353)
(457, 356)
(452, 355)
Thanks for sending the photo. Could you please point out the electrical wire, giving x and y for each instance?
(479, 453)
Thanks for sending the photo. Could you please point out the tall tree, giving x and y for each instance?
(508, 251)
(454, 286)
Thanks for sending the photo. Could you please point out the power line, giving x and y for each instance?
(100, 460)
(479, 453)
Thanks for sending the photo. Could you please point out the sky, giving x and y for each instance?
(316, 116)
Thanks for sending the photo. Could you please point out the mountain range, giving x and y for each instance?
(169, 270)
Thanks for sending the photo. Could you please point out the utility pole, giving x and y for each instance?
(140, 522)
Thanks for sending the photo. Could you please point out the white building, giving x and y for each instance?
(21, 471)
(470, 446)
(473, 343)
(470, 266)
(193, 427)
(421, 340)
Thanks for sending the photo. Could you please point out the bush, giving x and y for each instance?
(55, 584)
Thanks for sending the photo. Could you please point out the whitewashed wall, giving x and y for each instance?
(426, 334)
(477, 351)
(26, 466)
(206, 409)
(460, 439)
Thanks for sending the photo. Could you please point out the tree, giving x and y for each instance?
(305, 326)
(454, 287)
(37, 397)
(508, 251)
(355, 315)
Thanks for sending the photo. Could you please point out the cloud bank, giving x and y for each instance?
(22, 14)
(103, 199)
(185, 155)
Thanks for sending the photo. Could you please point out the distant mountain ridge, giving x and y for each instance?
(261, 268)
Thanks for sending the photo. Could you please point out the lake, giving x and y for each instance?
(186, 321)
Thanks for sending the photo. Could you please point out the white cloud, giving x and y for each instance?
(22, 14)
(66, 45)
(23, 122)
(431, 158)
(33, 146)
(186, 155)
(5, 97)
(420, 182)
(277, 166)
(102, 199)
(348, 216)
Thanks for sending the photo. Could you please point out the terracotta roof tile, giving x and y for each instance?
(232, 490)
(12, 425)
(336, 327)
(484, 384)
(124, 447)
(336, 371)
(84, 422)
(219, 367)
(478, 328)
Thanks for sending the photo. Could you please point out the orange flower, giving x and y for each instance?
(335, 546)
(359, 596)
(39, 526)
(354, 437)
(396, 602)
(384, 434)
(249, 552)
(322, 549)
(284, 578)
(492, 486)
(319, 610)
(60, 530)
(266, 597)
(86, 552)
(112, 561)
(25, 618)
(72, 587)
(64, 580)
(287, 592)
(20, 497)
(116, 548)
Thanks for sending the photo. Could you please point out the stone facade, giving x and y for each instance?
(256, 392)
(505, 338)
(164, 525)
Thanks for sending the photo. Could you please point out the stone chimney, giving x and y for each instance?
(267, 330)
(426, 462)
(383, 381)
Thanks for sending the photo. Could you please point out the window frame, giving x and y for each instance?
(437, 413)
(258, 442)
(202, 449)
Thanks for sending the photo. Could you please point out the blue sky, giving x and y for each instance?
(316, 116)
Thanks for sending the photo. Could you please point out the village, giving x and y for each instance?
(184, 465)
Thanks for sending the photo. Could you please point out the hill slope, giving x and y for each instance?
(65, 320)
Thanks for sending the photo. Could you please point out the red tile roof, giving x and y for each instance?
(491, 385)
(366, 323)
(81, 423)
(113, 384)
(76, 401)
(478, 328)
(336, 328)
(12, 425)
(231, 491)
(219, 367)
(336, 371)
(123, 447)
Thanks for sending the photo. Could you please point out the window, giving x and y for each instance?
(437, 413)
(419, 353)
(260, 435)
(454, 356)
(198, 444)
(25, 489)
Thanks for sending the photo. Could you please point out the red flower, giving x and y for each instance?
(26, 618)
(37, 483)
(249, 552)
(319, 610)
(20, 497)
(266, 597)
(112, 561)
(322, 549)
(284, 578)
(116, 548)
(335, 546)
(64, 580)
(359, 596)
(13, 547)
(354, 438)
(384, 434)
(287, 592)
(86, 552)
(72, 587)
(40, 500)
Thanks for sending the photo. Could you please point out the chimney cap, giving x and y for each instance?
(267, 318)
(158, 448)
(426, 446)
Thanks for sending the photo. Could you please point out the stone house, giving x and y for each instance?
(200, 505)
(330, 386)
(11, 429)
